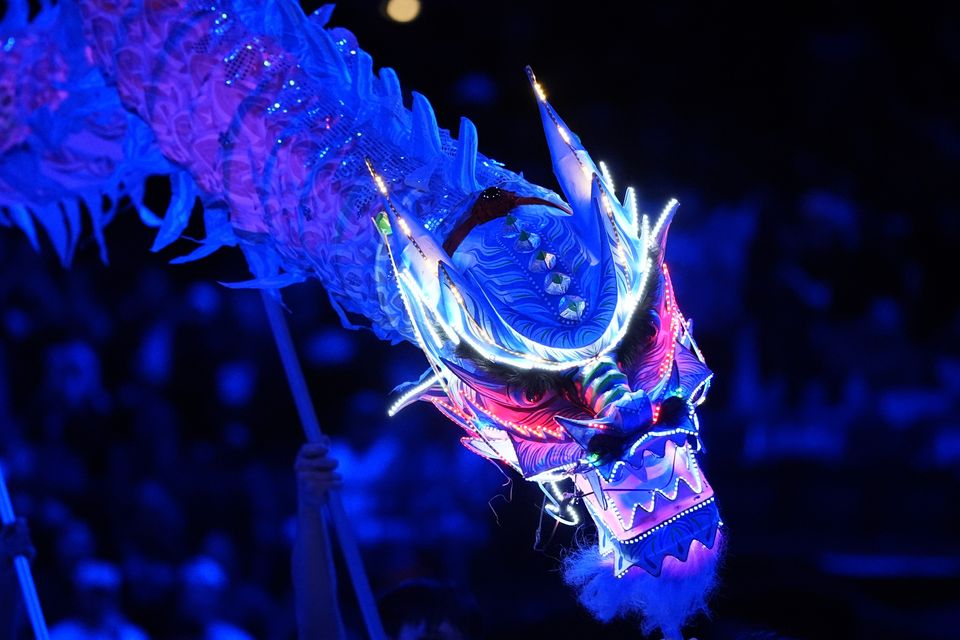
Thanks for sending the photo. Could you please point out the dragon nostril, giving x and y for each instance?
(604, 448)
(673, 412)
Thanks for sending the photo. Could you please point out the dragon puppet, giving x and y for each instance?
(549, 322)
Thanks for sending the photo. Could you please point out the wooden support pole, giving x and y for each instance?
(27, 587)
(311, 427)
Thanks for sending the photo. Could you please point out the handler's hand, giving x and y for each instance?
(315, 474)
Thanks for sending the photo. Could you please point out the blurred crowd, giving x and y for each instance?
(152, 450)
(155, 466)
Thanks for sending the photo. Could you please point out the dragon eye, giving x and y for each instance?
(526, 395)
(533, 395)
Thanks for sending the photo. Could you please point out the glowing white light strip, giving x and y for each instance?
(701, 392)
(573, 517)
(667, 209)
(644, 280)
(588, 167)
(647, 506)
(416, 391)
(632, 208)
(409, 310)
(618, 246)
(646, 259)
(404, 226)
(676, 324)
(522, 360)
(650, 531)
(538, 89)
(650, 435)
(526, 361)
(669, 492)
(381, 185)
(411, 283)
(683, 513)
(696, 424)
(447, 329)
(413, 320)
(666, 523)
(607, 177)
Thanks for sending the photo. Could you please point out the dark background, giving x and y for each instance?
(814, 149)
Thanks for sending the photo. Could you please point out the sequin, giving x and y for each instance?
(526, 241)
(572, 307)
(556, 283)
(542, 261)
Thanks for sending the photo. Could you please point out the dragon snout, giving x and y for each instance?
(621, 414)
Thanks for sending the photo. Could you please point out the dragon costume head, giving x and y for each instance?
(555, 341)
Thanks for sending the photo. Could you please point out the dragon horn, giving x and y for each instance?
(658, 236)
(572, 165)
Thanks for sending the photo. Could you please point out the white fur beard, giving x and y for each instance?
(666, 601)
